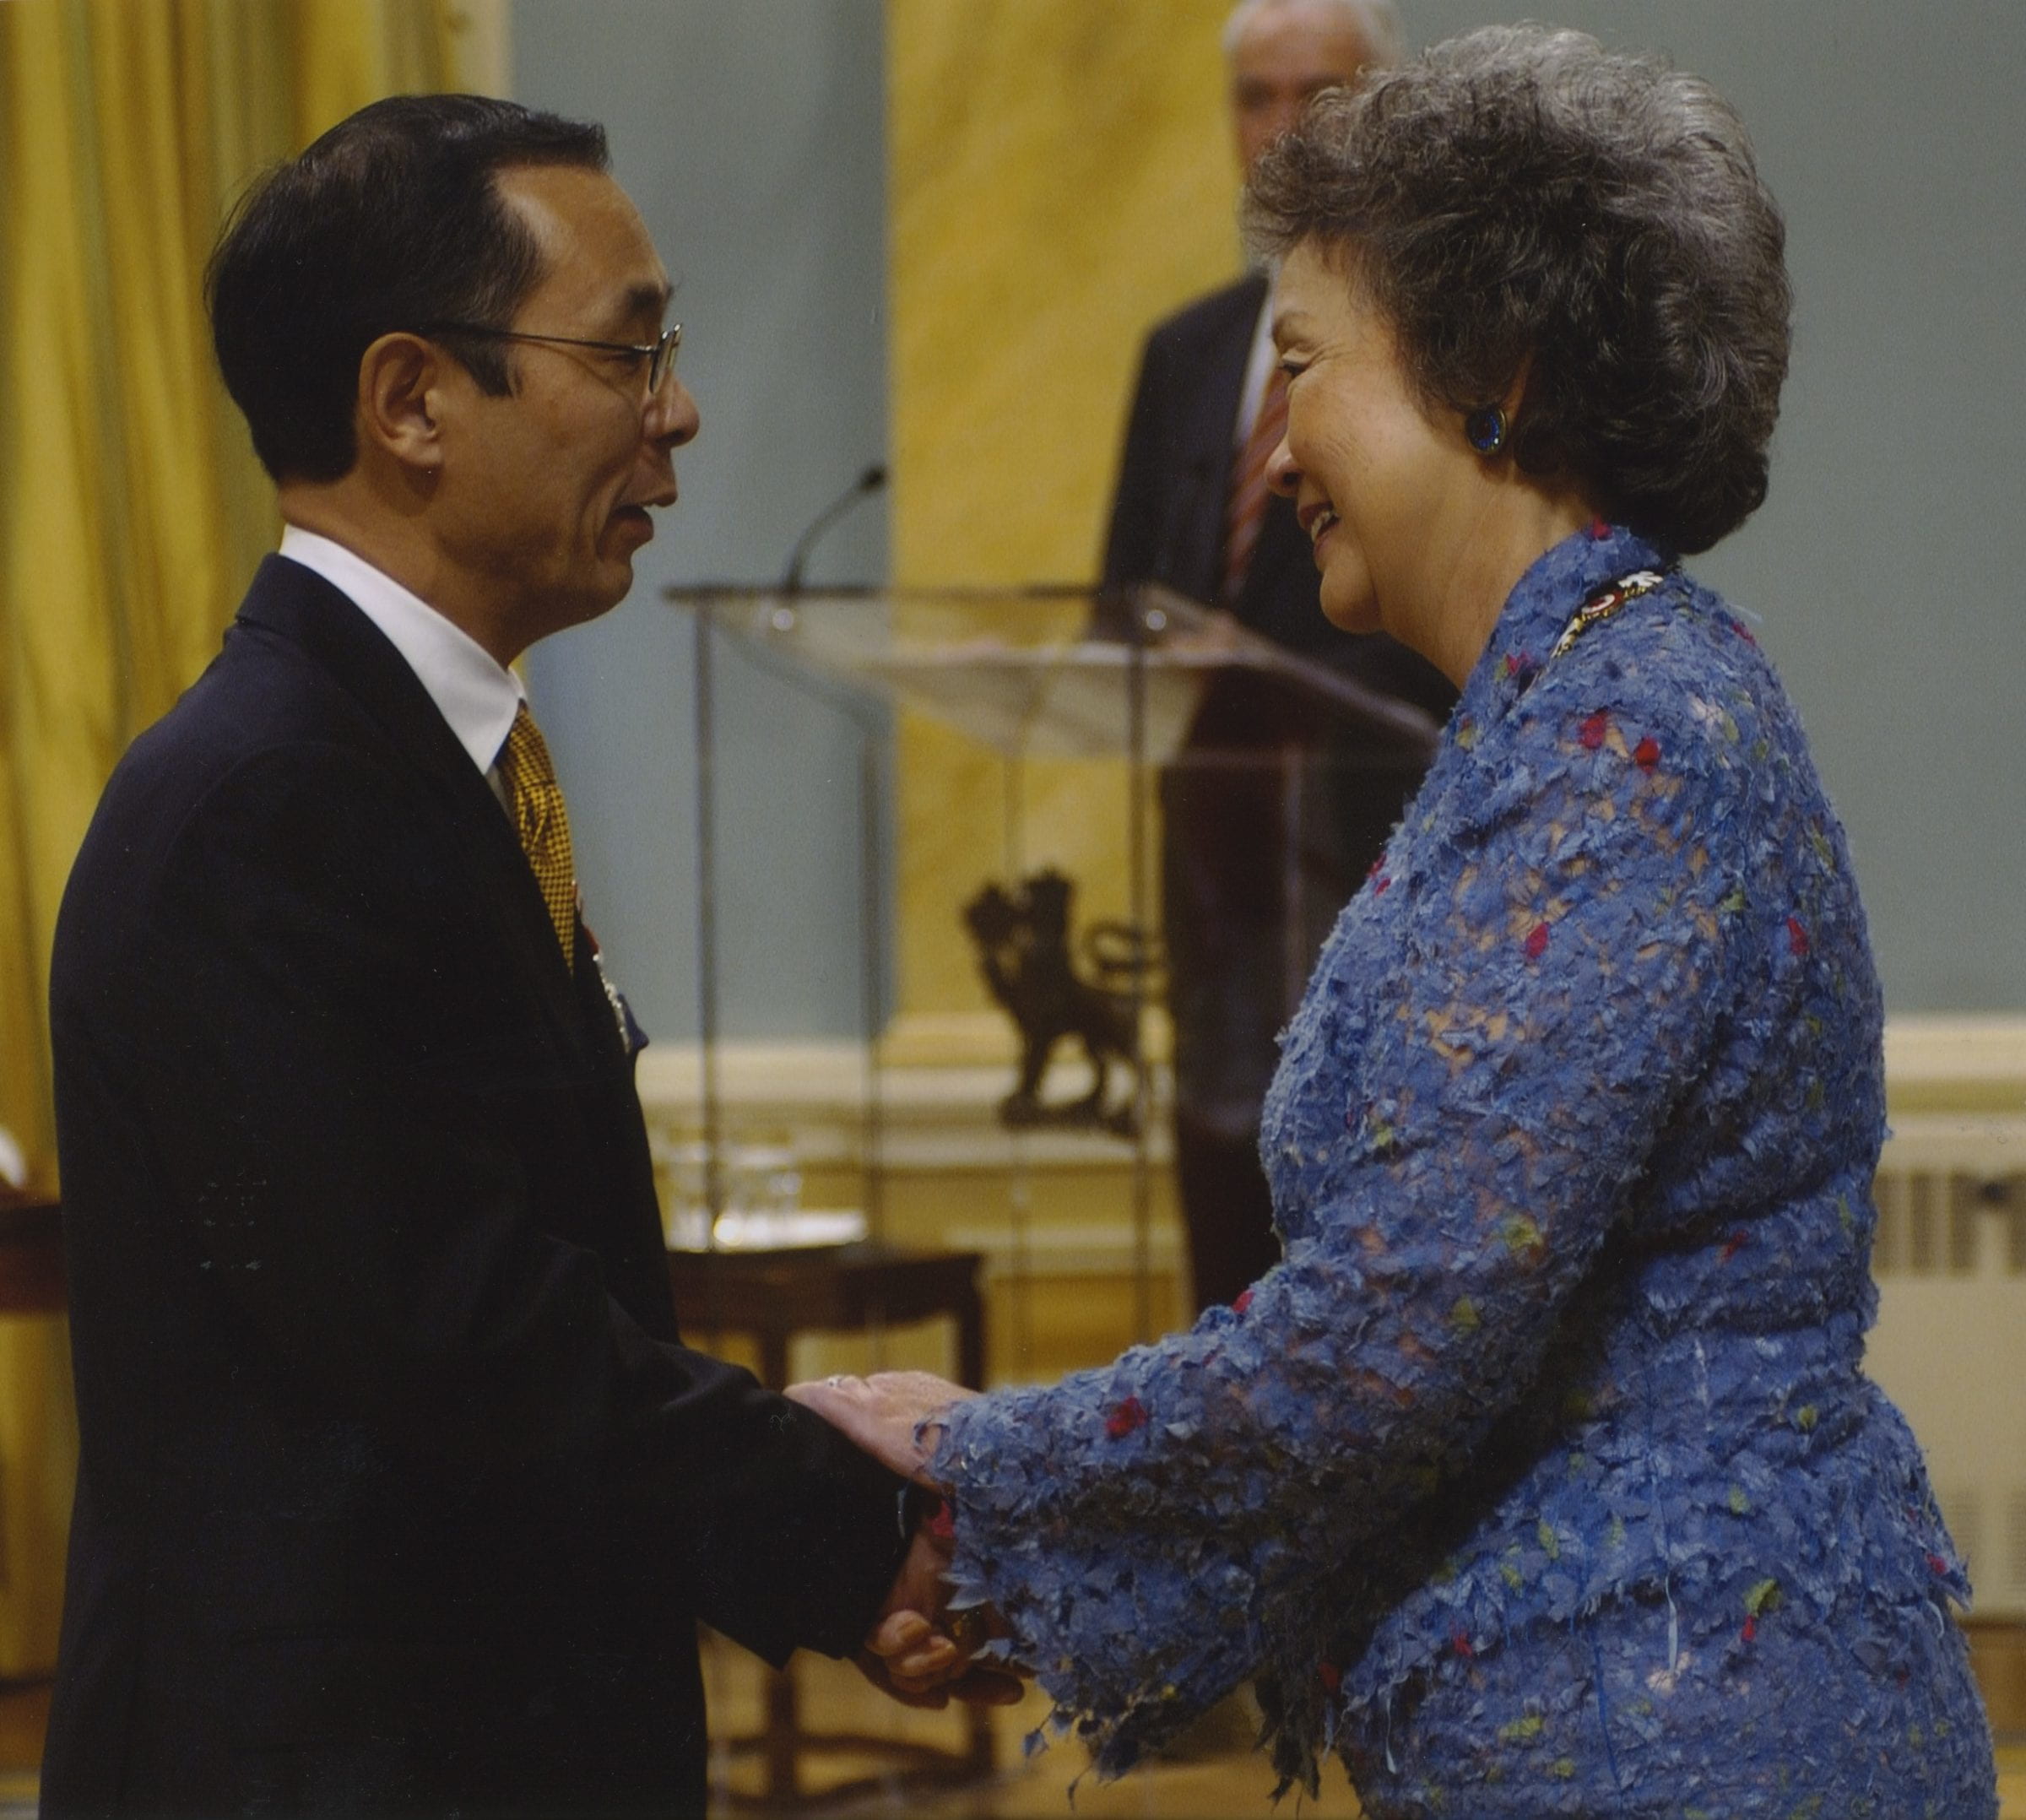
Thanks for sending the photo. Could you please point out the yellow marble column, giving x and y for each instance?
(1061, 176)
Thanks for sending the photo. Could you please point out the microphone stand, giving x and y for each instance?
(868, 481)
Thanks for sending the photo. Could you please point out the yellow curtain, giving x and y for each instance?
(131, 511)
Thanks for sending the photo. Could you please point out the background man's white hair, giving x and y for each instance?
(1378, 21)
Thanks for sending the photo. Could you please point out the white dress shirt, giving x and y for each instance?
(1258, 363)
(476, 694)
(471, 691)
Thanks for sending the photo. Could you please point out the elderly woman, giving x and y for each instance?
(1541, 1476)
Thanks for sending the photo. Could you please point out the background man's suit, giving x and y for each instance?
(1271, 817)
(399, 1490)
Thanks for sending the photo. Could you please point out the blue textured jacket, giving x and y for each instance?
(1541, 1477)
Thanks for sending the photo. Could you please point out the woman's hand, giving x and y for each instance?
(884, 1413)
(919, 1651)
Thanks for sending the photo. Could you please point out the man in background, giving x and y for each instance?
(1276, 808)
(399, 1491)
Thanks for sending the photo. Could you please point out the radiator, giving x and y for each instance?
(1950, 1345)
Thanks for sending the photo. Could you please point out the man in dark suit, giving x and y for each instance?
(1275, 809)
(399, 1489)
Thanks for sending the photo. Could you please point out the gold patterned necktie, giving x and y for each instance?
(535, 801)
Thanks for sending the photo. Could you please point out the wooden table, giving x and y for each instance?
(772, 1297)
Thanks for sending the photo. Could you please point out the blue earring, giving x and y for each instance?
(1486, 429)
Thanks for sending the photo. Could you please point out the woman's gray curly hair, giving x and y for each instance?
(1521, 199)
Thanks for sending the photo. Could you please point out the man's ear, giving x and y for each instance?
(401, 395)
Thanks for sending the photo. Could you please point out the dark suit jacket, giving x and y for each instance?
(1276, 808)
(399, 1489)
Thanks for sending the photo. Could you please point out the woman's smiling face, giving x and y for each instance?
(1383, 489)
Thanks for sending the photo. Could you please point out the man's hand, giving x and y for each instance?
(882, 1413)
(918, 1650)
(909, 1652)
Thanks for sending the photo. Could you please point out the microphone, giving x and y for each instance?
(867, 483)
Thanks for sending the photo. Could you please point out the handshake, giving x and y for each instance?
(918, 1650)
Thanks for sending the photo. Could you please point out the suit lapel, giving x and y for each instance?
(1206, 434)
(1213, 426)
(292, 602)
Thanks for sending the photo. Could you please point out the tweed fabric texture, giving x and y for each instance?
(534, 800)
(1541, 1477)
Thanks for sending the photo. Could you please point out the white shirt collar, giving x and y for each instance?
(472, 692)
(1258, 363)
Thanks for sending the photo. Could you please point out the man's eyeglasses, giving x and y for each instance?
(659, 354)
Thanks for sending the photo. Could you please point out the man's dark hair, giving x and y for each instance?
(390, 221)
(1521, 199)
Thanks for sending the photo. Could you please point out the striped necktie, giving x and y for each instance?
(1247, 508)
(535, 801)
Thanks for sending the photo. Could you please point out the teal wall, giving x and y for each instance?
(1883, 561)
(1883, 566)
(751, 135)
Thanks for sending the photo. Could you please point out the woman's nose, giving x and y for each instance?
(1282, 476)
